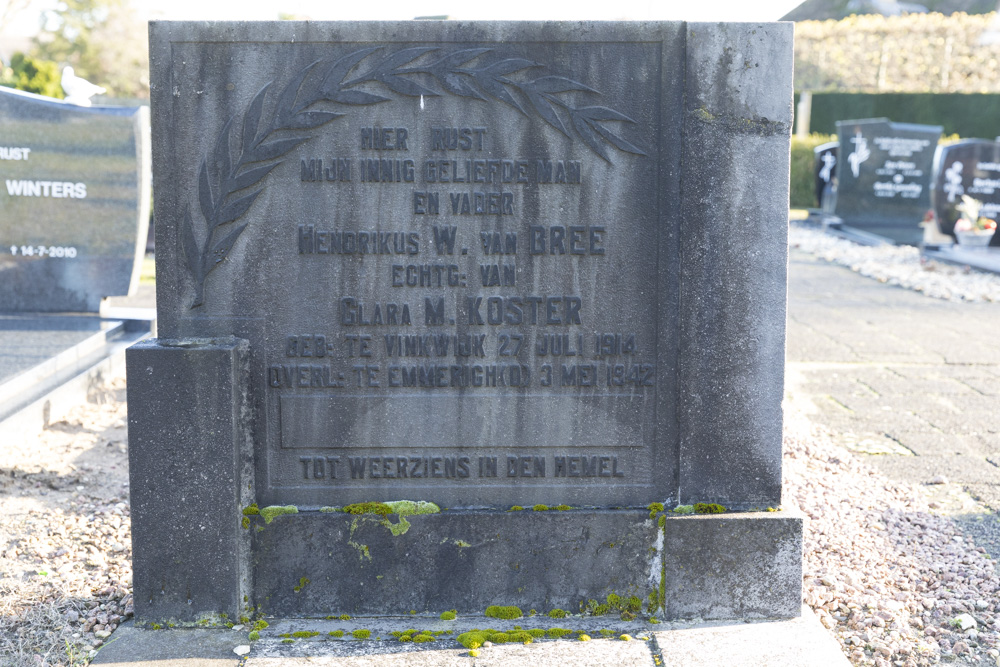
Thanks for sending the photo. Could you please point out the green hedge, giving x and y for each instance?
(968, 115)
(803, 183)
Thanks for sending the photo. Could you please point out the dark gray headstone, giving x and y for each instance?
(826, 163)
(884, 177)
(470, 271)
(968, 167)
(74, 192)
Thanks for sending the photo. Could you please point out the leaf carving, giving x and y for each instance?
(620, 143)
(338, 72)
(276, 148)
(192, 253)
(251, 122)
(235, 209)
(357, 97)
(286, 101)
(558, 84)
(587, 133)
(405, 86)
(299, 108)
(497, 88)
(252, 176)
(205, 193)
(384, 72)
(508, 66)
(544, 108)
(223, 159)
(222, 248)
(308, 120)
(392, 61)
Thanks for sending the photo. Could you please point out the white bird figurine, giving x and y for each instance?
(78, 91)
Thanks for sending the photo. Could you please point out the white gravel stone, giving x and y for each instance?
(898, 265)
(964, 622)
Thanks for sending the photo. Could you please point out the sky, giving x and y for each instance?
(705, 10)
(689, 10)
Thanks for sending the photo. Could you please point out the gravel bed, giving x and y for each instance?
(65, 540)
(898, 265)
(896, 582)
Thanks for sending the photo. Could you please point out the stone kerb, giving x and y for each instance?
(528, 277)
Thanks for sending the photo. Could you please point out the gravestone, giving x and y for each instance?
(75, 201)
(462, 264)
(968, 167)
(826, 162)
(884, 177)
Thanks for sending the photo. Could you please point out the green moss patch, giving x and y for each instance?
(654, 508)
(449, 615)
(361, 634)
(272, 511)
(471, 639)
(381, 509)
(708, 508)
(507, 613)
(558, 613)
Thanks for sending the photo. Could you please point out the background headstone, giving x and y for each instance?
(468, 270)
(826, 171)
(884, 177)
(968, 167)
(74, 196)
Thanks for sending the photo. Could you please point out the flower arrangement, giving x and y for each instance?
(971, 221)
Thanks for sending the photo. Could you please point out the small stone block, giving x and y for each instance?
(189, 474)
(733, 566)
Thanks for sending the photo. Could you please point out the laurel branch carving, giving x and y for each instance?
(249, 148)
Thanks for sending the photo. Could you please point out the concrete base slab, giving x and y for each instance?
(180, 647)
(734, 565)
(983, 259)
(796, 642)
(799, 642)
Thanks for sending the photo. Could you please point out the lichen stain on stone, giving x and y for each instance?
(362, 549)
(704, 115)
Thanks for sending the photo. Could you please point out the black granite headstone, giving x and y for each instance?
(469, 271)
(74, 196)
(884, 177)
(826, 162)
(968, 167)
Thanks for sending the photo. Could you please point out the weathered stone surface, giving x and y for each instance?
(189, 476)
(731, 273)
(968, 167)
(733, 566)
(607, 248)
(884, 176)
(75, 201)
(481, 265)
(454, 560)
